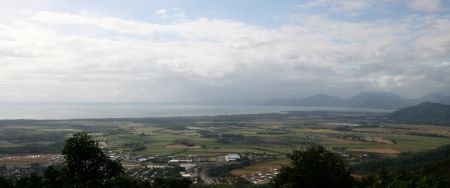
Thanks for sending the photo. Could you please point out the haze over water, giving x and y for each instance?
(81, 111)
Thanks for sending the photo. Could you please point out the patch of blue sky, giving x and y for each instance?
(266, 13)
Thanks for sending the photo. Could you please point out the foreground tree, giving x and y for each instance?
(86, 164)
(402, 179)
(6, 183)
(315, 167)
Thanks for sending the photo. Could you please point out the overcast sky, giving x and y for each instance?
(220, 51)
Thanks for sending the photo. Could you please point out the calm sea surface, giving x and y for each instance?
(79, 111)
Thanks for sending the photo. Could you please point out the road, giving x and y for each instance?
(204, 175)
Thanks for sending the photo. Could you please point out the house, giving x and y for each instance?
(153, 166)
(102, 145)
(185, 175)
(232, 157)
(179, 161)
(141, 159)
(173, 161)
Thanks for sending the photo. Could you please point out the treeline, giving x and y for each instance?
(317, 167)
(222, 138)
(401, 179)
(27, 136)
(408, 161)
(225, 170)
(135, 146)
(35, 148)
(423, 169)
(30, 141)
(52, 179)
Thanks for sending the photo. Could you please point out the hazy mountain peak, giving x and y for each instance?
(375, 94)
(369, 99)
(376, 100)
(322, 95)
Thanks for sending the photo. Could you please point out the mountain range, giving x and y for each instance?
(380, 100)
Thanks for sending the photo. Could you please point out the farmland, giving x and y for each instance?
(355, 135)
(216, 135)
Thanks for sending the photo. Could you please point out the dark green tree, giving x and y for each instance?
(32, 181)
(128, 182)
(52, 178)
(314, 168)
(6, 183)
(86, 164)
(171, 183)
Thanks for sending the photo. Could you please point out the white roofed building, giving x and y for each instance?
(232, 157)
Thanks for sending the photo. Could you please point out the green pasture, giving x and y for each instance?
(265, 135)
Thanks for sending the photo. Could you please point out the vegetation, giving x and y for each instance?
(274, 134)
(30, 141)
(87, 166)
(425, 112)
(408, 161)
(402, 179)
(225, 170)
(32, 148)
(315, 167)
(357, 136)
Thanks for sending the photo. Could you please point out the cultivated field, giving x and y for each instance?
(348, 133)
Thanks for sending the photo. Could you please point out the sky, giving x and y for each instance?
(223, 51)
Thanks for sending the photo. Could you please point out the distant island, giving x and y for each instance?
(380, 100)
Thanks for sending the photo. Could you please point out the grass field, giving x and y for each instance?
(265, 139)
(210, 136)
(261, 167)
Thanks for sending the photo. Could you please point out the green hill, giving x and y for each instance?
(426, 112)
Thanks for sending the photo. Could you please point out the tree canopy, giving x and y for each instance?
(86, 164)
(314, 167)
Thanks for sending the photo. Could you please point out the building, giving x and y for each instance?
(232, 157)
(188, 166)
(102, 145)
(185, 175)
(153, 166)
(141, 159)
(179, 161)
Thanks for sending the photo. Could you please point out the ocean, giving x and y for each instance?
(87, 111)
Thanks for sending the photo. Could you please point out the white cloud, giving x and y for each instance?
(47, 56)
(351, 6)
(161, 13)
(176, 14)
(425, 5)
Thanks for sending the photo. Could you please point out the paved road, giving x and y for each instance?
(204, 175)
